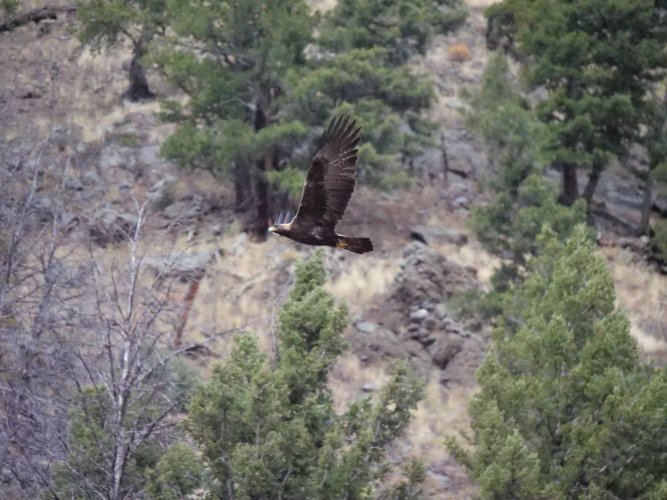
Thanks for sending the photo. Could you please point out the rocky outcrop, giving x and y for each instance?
(415, 319)
(108, 226)
(426, 276)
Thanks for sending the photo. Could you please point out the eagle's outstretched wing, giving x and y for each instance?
(331, 177)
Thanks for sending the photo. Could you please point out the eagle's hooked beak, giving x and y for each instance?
(272, 229)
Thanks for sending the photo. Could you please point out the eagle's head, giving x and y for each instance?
(282, 225)
(280, 228)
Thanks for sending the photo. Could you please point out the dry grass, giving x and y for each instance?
(441, 413)
(642, 293)
(348, 376)
(480, 3)
(362, 280)
(321, 5)
(459, 52)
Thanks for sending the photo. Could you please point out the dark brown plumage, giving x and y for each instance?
(329, 185)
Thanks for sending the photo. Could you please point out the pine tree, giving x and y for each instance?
(267, 428)
(566, 409)
(231, 59)
(403, 28)
(359, 67)
(386, 102)
(578, 51)
(105, 22)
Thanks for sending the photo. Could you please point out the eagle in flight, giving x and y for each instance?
(329, 185)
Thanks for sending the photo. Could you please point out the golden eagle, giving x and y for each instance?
(329, 185)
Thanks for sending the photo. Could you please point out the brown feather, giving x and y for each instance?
(331, 177)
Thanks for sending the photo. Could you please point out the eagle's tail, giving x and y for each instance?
(357, 245)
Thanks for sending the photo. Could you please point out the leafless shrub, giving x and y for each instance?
(74, 324)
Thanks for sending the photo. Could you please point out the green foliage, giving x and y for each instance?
(657, 149)
(104, 22)
(254, 95)
(658, 242)
(86, 471)
(565, 409)
(233, 68)
(288, 180)
(524, 200)
(361, 70)
(508, 226)
(402, 27)
(385, 101)
(266, 428)
(578, 50)
(177, 474)
(8, 7)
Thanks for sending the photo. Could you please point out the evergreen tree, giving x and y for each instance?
(105, 22)
(524, 200)
(359, 67)
(86, 472)
(260, 90)
(386, 101)
(267, 428)
(231, 59)
(566, 410)
(655, 184)
(402, 27)
(579, 52)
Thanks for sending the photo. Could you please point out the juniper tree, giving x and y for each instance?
(523, 199)
(566, 409)
(266, 428)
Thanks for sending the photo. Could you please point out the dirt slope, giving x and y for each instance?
(102, 153)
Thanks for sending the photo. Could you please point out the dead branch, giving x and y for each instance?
(35, 16)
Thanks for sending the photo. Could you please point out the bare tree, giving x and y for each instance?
(35, 293)
(87, 390)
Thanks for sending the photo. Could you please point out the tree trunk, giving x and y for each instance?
(445, 161)
(240, 188)
(189, 299)
(260, 225)
(570, 189)
(138, 89)
(592, 184)
(646, 206)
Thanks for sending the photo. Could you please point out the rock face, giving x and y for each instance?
(435, 234)
(421, 290)
(426, 276)
(109, 225)
(415, 320)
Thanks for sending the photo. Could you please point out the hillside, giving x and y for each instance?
(97, 161)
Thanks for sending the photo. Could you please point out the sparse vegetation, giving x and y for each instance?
(566, 410)
(267, 428)
(596, 103)
(127, 274)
